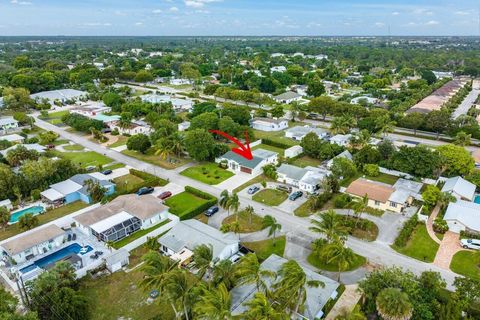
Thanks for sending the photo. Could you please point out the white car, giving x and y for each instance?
(470, 244)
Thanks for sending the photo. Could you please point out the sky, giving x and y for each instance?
(238, 17)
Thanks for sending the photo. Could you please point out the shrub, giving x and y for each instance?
(211, 200)
(371, 170)
(469, 235)
(342, 200)
(320, 200)
(275, 143)
(407, 230)
(35, 194)
(440, 225)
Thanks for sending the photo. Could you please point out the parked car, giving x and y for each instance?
(211, 211)
(253, 189)
(236, 257)
(164, 195)
(145, 190)
(295, 195)
(50, 146)
(470, 244)
(107, 172)
(90, 168)
(285, 188)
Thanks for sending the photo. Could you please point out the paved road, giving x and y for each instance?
(376, 252)
(466, 103)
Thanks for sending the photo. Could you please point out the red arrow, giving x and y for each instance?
(243, 149)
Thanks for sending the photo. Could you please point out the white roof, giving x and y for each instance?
(465, 212)
(7, 120)
(461, 187)
(66, 187)
(52, 194)
(59, 94)
(32, 146)
(5, 203)
(12, 137)
(111, 221)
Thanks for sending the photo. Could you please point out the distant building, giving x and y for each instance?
(299, 132)
(177, 104)
(13, 138)
(183, 126)
(341, 139)
(237, 163)
(180, 82)
(460, 188)
(345, 154)
(368, 99)
(443, 74)
(288, 97)
(7, 123)
(293, 151)
(306, 179)
(267, 124)
(278, 69)
(463, 216)
(59, 96)
(439, 97)
(91, 109)
(31, 146)
(7, 204)
(135, 127)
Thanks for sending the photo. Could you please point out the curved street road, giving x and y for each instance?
(376, 252)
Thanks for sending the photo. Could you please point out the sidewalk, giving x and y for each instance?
(448, 247)
(430, 220)
(346, 302)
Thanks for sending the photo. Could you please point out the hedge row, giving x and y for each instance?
(275, 143)
(406, 232)
(150, 179)
(211, 200)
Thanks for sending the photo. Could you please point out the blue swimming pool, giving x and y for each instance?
(56, 256)
(477, 199)
(14, 217)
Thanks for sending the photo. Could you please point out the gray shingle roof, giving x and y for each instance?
(460, 186)
(292, 172)
(288, 95)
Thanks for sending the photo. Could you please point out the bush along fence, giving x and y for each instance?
(211, 200)
(406, 232)
(275, 143)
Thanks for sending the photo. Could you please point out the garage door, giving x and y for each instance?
(247, 170)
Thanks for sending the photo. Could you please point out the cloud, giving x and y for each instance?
(423, 12)
(139, 23)
(395, 13)
(173, 9)
(157, 11)
(379, 24)
(198, 3)
(463, 12)
(432, 23)
(21, 3)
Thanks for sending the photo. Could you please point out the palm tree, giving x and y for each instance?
(125, 120)
(359, 207)
(156, 269)
(4, 217)
(225, 272)
(213, 304)
(225, 200)
(384, 125)
(329, 225)
(250, 211)
(234, 204)
(177, 290)
(295, 109)
(28, 221)
(291, 289)
(361, 139)
(336, 253)
(260, 308)
(176, 143)
(463, 139)
(164, 150)
(355, 314)
(203, 259)
(271, 223)
(393, 304)
(444, 198)
(340, 125)
(249, 272)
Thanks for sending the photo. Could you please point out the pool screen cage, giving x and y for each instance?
(119, 231)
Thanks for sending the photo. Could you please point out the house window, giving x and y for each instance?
(393, 204)
(377, 203)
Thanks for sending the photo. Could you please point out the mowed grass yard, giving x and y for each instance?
(183, 202)
(119, 296)
(420, 246)
(150, 157)
(244, 220)
(85, 159)
(56, 117)
(270, 197)
(209, 173)
(51, 215)
(466, 263)
(277, 136)
(125, 182)
(280, 151)
(265, 248)
(382, 177)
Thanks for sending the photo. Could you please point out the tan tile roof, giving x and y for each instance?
(142, 207)
(31, 239)
(374, 190)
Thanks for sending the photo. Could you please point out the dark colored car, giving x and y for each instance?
(285, 188)
(164, 195)
(211, 211)
(295, 195)
(107, 172)
(50, 146)
(253, 189)
(144, 190)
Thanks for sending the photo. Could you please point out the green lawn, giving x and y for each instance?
(150, 157)
(265, 248)
(120, 142)
(73, 147)
(277, 136)
(306, 161)
(126, 182)
(270, 197)
(183, 202)
(466, 263)
(280, 151)
(56, 117)
(420, 246)
(140, 233)
(304, 210)
(362, 228)
(118, 296)
(322, 265)
(257, 179)
(244, 220)
(51, 215)
(209, 173)
(85, 159)
(382, 177)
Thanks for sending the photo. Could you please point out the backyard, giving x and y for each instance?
(56, 117)
(51, 215)
(270, 197)
(150, 157)
(85, 159)
(466, 263)
(209, 173)
(306, 161)
(244, 220)
(127, 182)
(278, 150)
(276, 136)
(183, 203)
(265, 248)
(420, 246)
(382, 177)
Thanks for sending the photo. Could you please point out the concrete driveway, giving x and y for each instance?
(290, 206)
(172, 187)
(235, 181)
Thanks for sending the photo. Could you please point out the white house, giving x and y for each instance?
(177, 104)
(59, 96)
(307, 179)
(345, 154)
(32, 146)
(258, 73)
(267, 124)
(32, 243)
(341, 139)
(443, 74)
(277, 55)
(91, 109)
(316, 296)
(183, 126)
(368, 99)
(13, 138)
(237, 163)
(293, 151)
(136, 127)
(278, 69)
(179, 82)
(288, 97)
(7, 204)
(463, 216)
(185, 236)
(122, 216)
(460, 188)
(299, 132)
(8, 123)
(301, 89)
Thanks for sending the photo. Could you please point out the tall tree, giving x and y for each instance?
(4, 217)
(330, 225)
(213, 304)
(261, 308)
(249, 271)
(203, 259)
(273, 226)
(393, 304)
(338, 254)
